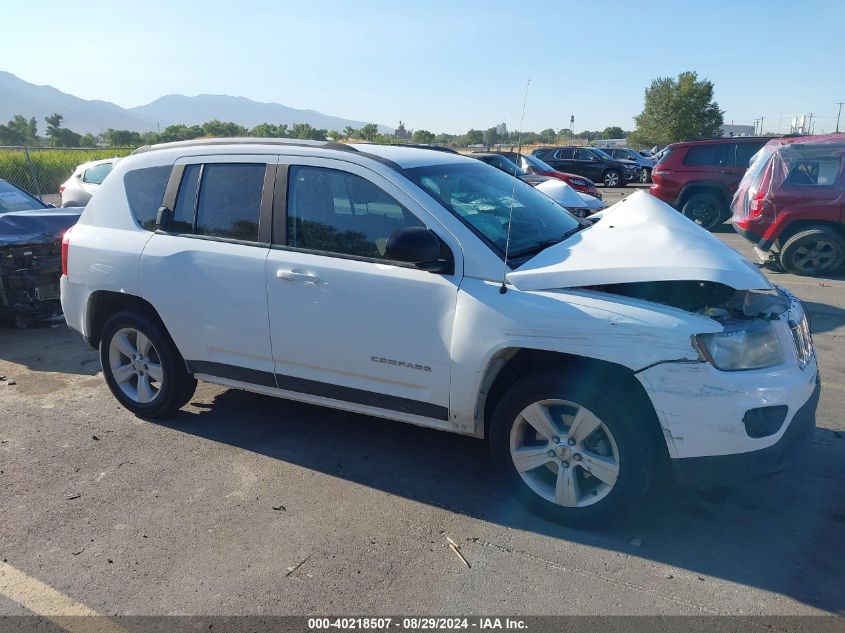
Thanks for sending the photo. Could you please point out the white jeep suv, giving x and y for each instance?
(430, 288)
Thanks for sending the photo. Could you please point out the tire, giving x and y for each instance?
(147, 375)
(705, 209)
(645, 175)
(71, 204)
(584, 499)
(814, 251)
(612, 178)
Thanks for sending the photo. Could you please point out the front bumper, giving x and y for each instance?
(755, 464)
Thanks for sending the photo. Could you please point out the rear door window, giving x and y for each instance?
(229, 203)
(705, 154)
(565, 154)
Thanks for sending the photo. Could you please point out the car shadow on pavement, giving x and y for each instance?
(784, 534)
(48, 347)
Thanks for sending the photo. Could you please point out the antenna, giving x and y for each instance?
(503, 288)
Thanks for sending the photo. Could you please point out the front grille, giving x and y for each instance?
(803, 341)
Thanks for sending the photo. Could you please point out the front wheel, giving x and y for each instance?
(568, 451)
(142, 367)
(815, 251)
(612, 178)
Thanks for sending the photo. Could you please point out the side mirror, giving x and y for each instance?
(415, 245)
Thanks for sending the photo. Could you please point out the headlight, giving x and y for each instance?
(752, 345)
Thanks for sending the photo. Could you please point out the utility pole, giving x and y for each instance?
(838, 115)
(810, 123)
(762, 118)
(755, 127)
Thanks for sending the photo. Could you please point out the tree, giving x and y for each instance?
(89, 140)
(676, 109)
(121, 138)
(491, 137)
(474, 137)
(222, 129)
(54, 124)
(349, 132)
(422, 136)
(614, 131)
(269, 130)
(369, 132)
(547, 136)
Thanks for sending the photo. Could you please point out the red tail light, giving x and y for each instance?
(61, 188)
(760, 207)
(65, 247)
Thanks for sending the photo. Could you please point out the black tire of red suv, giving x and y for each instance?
(612, 178)
(814, 251)
(176, 387)
(637, 463)
(705, 209)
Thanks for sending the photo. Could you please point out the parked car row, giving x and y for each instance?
(555, 186)
(592, 163)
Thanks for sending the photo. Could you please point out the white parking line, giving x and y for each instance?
(43, 600)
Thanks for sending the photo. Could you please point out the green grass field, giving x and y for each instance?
(50, 166)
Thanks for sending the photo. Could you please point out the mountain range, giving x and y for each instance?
(81, 115)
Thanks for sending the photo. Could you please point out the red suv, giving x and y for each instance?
(791, 203)
(700, 177)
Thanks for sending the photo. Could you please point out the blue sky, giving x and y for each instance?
(439, 65)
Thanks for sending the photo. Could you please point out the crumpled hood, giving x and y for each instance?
(563, 194)
(638, 239)
(39, 226)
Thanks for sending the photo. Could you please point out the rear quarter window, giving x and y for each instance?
(822, 172)
(145, 193)
(703, 155)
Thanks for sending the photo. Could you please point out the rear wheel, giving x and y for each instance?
(142, 367)
(645, 175)
(814, 251)
(705, 209)
(566, 450)
(612, 178)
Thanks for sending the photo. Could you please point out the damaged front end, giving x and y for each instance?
(747, 341)
(30, 263)
(29, 281)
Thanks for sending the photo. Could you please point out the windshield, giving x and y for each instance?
(507, 166)
(626, 153)
(481, 198)
(537, 163)
(602, 154)
(14, 199)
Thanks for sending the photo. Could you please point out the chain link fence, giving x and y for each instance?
(40, 170)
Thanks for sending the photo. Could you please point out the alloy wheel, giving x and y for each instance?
(611, 179)
(815, 257)
(564, 453)
(135, 365)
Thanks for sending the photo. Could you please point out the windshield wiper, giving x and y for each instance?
(541, 246)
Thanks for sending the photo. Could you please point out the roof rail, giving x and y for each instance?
(246, 141)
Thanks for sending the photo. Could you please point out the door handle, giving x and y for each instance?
(290, 275)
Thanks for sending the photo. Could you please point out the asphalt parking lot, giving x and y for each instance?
(245, 504)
